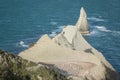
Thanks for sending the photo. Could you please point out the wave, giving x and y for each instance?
(95, 19)
(100, 29)
(59, 29)
(22, 43)
(53, 34)
(92, 33)
(103, 28)
(53, 23)
(97, 30)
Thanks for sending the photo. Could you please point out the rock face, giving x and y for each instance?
(78, 43)
(71, 54)
(82, 24)
(69, 62)
(15, 68)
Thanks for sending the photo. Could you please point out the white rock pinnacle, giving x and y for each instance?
(82, 24)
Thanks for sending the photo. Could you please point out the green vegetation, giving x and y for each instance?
(13, 67)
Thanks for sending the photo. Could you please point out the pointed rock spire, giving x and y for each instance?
(82, 24)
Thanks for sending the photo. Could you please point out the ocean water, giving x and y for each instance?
(23, 22)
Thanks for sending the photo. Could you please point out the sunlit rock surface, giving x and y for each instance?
(82, 23)
(70, 54)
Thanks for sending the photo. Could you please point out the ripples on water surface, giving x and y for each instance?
(24, 21)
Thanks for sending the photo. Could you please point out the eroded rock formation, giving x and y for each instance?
(82, 23)
(71, 54)
(69, 62)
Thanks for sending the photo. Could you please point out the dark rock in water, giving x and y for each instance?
(13, 67)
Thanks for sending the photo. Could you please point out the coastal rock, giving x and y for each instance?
(71, 55)
(76, 64)
(65, 38)
(77, 42)
(82, 23)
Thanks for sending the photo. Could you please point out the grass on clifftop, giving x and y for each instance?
(13, 67)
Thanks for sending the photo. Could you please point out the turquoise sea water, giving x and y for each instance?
(23, 22)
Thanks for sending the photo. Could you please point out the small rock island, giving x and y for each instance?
(67, 56)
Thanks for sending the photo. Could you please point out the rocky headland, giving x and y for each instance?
(68, 54)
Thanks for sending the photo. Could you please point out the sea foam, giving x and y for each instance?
(53, 23)
(103, 28)
(22, 43)
(95, 19)
(53, 34)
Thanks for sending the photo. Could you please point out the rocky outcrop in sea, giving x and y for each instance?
(71, 55)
